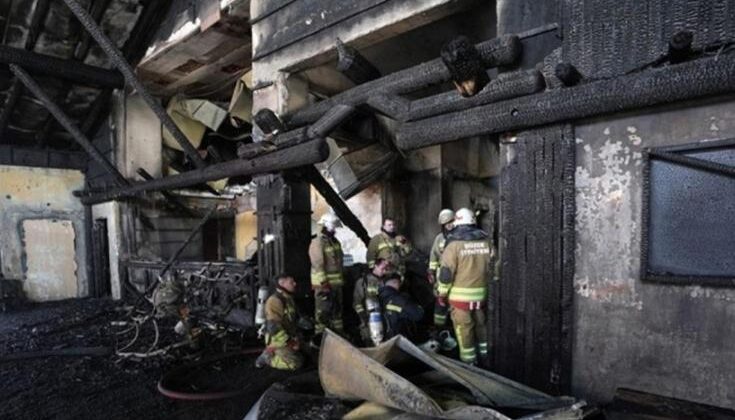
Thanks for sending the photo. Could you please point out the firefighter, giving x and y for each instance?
(400, 311)
(463, 280)
(281, 333)
(445, 220)
(325, 253)
(389, 246)
(365, 297)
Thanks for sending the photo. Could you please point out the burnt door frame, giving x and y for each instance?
(532, 304)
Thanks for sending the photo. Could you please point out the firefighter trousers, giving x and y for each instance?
(285, 358)
(328, 310)
(471, 332)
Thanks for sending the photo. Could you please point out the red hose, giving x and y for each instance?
(202, 396)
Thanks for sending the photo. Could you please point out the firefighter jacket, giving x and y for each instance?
(383, 246)
(280, 319)
(325, 253)
(465, 268)
(399, 311)
(435, 255)
(367, 287)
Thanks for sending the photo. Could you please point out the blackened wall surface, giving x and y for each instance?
(667, 339)
(605, 38)
(532, 322)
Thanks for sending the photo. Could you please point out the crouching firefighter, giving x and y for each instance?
(366, 300)
(401, 312)
(325, 253)
(281, 330)
(463, 277)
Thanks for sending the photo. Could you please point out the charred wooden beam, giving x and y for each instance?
(465, 65)
(689, 80)
(80, 53)
(354, 65)
(116, 57)
(268, 122)
(170, 197)
(67, 123)
(312, 175)
(370, 175)
(496, 52)
(313, 151)
(16, 89)
(133, 50)
(505, 86)
(393, 106)
(70, 70)
(680, 46)
(251, 150)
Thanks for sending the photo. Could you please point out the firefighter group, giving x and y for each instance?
(461, 263)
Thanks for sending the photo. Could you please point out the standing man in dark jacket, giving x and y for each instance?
(399, 310)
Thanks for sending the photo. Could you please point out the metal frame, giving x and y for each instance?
(669, 154)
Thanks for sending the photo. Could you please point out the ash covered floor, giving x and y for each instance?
(104, 386)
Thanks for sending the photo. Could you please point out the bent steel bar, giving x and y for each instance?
(496, 52)
(691, 80)
(705, 165)
(119, 61)
(67, 123)
(308, 153)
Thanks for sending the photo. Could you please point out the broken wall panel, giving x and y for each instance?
(49, 259)
(532, 323)
(40, 194)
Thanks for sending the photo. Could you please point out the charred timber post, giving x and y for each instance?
(71, 70)
(67, 123)
(690, 80)
(500, 51)
(119, 61)
(308, 153)
(336, 203)
(354, 65)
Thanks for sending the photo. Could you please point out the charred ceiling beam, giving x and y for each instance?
(119, 61)
(315, 178)
(67, 123)
(71, 70)
(496, 52)
(16, 89)
(80, 53)
(505, 86)
(691, 80)
(309, 153)
(133, 50)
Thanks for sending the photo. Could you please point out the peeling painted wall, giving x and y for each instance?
(37, 194)
(667, 339)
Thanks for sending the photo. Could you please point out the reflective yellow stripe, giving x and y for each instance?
(392, 307)
(372, 289)
(334, 279)
(468, 294)
(359, 307)
(278, 339)
(440, 319)
(443, 288)
(317, 278)
(384, 246)
(434, 265)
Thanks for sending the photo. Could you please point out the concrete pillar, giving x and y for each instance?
(283, 202)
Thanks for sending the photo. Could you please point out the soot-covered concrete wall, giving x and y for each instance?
(667, 339)
(42, 224)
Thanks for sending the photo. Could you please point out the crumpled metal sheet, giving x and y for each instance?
(361, 374)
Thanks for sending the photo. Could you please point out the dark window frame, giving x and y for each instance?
(663, 154)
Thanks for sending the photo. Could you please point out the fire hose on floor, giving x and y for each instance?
(166, 381)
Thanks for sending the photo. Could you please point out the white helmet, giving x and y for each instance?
(330, 222)
(464, 216)
(446, 216)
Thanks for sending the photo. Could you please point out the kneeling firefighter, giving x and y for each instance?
(281, 328)
(400, 311)
(463, 280)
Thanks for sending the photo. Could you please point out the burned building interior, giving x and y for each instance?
(167, 167)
